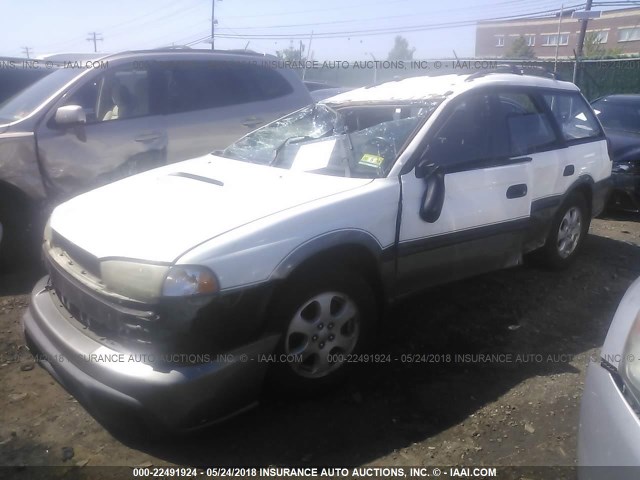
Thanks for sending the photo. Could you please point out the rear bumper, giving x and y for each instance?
(609, 428)
(109, 382)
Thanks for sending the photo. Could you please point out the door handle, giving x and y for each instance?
(148, 137)
(568, 171)
(517, 191)
(252, 122)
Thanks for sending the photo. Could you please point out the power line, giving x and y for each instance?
(126, 26)
(386, 18)
(393, 30)
(27, 51)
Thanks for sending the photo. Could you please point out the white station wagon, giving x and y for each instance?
(176, 292)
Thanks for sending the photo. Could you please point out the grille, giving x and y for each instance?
(119, 323)
(83, 258)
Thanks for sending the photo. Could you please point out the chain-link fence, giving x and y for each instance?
(595, 77)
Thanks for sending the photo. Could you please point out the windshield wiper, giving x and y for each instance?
(288, 141)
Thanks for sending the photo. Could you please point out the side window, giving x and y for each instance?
(87, 97)
(519, 126)
(463, 136)
(574, 115)
(268, 83)
(195, 86)
(118, 94)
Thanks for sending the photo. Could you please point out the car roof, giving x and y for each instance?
(186, 54)
(416, 89)
(71, 57)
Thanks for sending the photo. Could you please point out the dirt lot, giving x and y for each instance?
(448, 411)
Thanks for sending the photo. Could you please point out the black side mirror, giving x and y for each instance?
(433, 197)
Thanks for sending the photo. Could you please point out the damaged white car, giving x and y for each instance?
(174, 293)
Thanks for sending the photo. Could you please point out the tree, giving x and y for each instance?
(291, 54)
(401, 50)
(594, 49)
(520, 49)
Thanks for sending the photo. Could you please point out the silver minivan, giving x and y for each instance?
(92, 122)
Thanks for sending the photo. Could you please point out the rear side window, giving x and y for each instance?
(203, 85)
(574, 115)
(520, 126)
(269, 83)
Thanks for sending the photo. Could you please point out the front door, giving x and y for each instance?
(478, 221)
(124, 133)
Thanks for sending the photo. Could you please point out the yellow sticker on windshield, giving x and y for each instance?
(371, 160)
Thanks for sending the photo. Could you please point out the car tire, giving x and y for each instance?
(324, 318)
(568, 231)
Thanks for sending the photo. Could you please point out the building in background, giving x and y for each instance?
(616, 30)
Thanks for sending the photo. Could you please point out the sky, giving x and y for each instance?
(264, 26)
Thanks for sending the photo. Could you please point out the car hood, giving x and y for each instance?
(625, 145)
(159, 215)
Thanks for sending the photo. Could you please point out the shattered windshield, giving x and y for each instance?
(353, 141)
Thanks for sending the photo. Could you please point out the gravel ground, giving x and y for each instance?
(444, 408)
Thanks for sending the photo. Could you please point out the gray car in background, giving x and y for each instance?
(609, 423)
(95, 121)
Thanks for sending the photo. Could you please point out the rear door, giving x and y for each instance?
(485, 200)
(581, 132)
(211, 104)
(124, 133)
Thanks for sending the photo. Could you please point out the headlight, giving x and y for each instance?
(139, 281)
(187, 280)
(630, 363)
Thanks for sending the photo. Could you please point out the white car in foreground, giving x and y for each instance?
(174, 292)
(609, 437)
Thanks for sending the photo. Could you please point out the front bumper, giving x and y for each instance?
(113, 383)
(609, 429)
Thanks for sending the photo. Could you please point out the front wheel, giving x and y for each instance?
(325, 319)
(567, 234)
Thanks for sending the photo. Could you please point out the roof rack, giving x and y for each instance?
(186, 49)
(516, 70)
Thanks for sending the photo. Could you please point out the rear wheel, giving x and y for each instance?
(325, 318)
(567, 234)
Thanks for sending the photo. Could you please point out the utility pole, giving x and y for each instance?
(555, 63)
(213, 23)
(375, 67)
(93, 37)
(583, 30)
(26, 51)
(581, 35)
